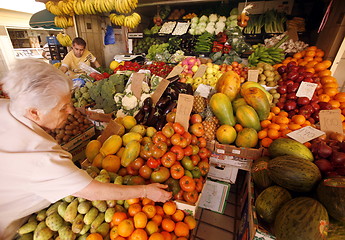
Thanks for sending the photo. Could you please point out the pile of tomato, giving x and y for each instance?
(159, 68)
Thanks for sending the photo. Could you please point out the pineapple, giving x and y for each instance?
(199, 104)
(210, 124)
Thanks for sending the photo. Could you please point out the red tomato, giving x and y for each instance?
(204, 167)
(179, 195)
(187, 184)
(176, 171)
(195, 159)
(153, 163)
(145, 171)
(159, 137)
(188, 137)
(178, 140)
(195, 149)
(132, 171)
(191, 197)
(160, 175)
(204, 153)
(168, 131)
(178, 151)
(178, 128)
(137, 163)
(195, 140)
(199, 182)
(188, 150)
(202, 142)
(159, 149)
(168, 159)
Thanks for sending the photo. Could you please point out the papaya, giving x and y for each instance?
(221, 107)
(255, 84)
(237, 103)
(111, 145)
(247, 117)
(92, 149)
(130, 136)
(130, 153)
(257, 99)
(247, 137)
(229, 84)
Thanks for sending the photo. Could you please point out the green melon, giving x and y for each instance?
(301, 218)
(269, 202)
(294, 173)
(287, 146)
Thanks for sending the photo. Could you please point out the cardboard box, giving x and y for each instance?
(95, 116)
(228, 161)
(210, 145)
(78, 153)
(79, 139)
(247, 153)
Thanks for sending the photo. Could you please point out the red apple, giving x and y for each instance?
(325, 106)
(290, 105)
(292, 63)
(282, 69)
(308, 79)
(292, 75)
(303, 101)
(281, 89)
(315, 105)
(291, 96)
(292, 88)
(299, 79)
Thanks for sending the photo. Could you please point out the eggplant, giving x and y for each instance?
(147, 104)
(160, 124)
(169, 108)
(174, 78)
(189, 89)
(140, 116)
(162, 102)
(153, 116)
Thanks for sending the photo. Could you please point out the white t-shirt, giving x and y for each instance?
(35, 170)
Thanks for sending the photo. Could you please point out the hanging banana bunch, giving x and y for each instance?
(54, 8)
(125, 6)
(64, 39)
(63, 21)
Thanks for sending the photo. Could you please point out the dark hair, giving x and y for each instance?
(79, 41)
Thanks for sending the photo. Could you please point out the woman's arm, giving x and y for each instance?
(109, 191)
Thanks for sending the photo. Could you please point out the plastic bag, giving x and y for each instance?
(109, 37)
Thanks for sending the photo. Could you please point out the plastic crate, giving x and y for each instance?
(52, 41)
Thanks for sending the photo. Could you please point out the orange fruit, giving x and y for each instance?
(262, 134)
(294, 126)
(166, 235)
(282, 120)
(330, 85)
(125, 228)
(324, 73)
(181, 238)
(238, 127)
(151, 227)
(156, 236)
(311, 48)
(168, 225)
(266, 142)
(111, 163)
(335, 104)
(169, 207)
(134, 209)
(275, 110)
(132, 201)
(181, 229)
(303, 63)
(94, 236)
(318, 59)
(328, 79)
(306, 123)
(283, 113)
(327, 63)
(265, 123)
(159, 210)
(340, 97)
(157, 219)
(190, 221)
(283, 126)
(308, 59)
(319, 53)
(273, 126)
(149, 210)
(113, 233)
(311, 64)
(298, 119)
(319, 67)
(330, 91)
(118, 217)
(273, 133)
(285, 132)
(146, 201)
(310, 69)
(120, 238)
(140, 220)
(310, 53)
(303, 52)
(307, 144)
(324, 98)
(138, 234)
(178, 215)
(270, 116)
(343, 123)
(297, 55)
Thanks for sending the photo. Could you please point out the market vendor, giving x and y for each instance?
(35, 170)
(78, 55)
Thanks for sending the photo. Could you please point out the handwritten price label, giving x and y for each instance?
(330, 121)
(305, 134)
(253, 75)
(176, 71)
(200, 72)
(159, 90)
(137, 82)
(183, 109)
(203, 90)
(306, 89)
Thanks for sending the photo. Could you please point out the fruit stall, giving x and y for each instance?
(237, 90)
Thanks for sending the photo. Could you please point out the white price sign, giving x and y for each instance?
(306, 89)
(253, 75)
(305, 134)
(203, 90)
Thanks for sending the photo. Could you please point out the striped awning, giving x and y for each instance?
(43, 19)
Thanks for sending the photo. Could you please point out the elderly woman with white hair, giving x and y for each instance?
(35, 170)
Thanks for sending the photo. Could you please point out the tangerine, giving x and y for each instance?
(125, 228)
(275, 110)
(299, 119)
(330, 91)
(266, 142)
(340, 97)
(178, 215)
(151, 227)
(156, 236)
(118, 217)
(327, 63)
(134, 209)
(325, 73)
(138, 234)
(94, 236)
(181, 229)
(262, 134)
(169, 207)
(190, 221)
(113, 233)
(168, 225)
(140, 220)
(273, 133)
(149, 210)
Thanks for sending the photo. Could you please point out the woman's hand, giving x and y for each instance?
(156, 193)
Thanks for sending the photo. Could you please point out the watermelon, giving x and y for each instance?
(301, 218)
(269, 202)
(287, 146)
(331, 193)
(294, 173)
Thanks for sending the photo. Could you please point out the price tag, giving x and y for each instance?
(112, 128)
(159, 90)
(330, 121)
(200, 72)
(137, 82)
(305, 134)
(253, 75)
(176, 71)
(183, 109)
(203, 90)
(306, 89)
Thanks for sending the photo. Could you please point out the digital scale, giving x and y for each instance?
(129, 57)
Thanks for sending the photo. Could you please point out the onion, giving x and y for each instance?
(336, 136)
(324, 165)
(338, 159)
(324, 150)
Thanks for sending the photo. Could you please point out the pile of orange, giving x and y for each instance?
(278, 125)
(144, 220)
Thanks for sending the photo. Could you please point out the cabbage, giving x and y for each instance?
(203, 19)
(213, 17)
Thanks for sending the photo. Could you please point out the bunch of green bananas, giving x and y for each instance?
(64, 39)
(63, 21)
(271, 55)
(125, 6)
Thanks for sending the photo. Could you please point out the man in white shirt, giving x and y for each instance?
(35, 170)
